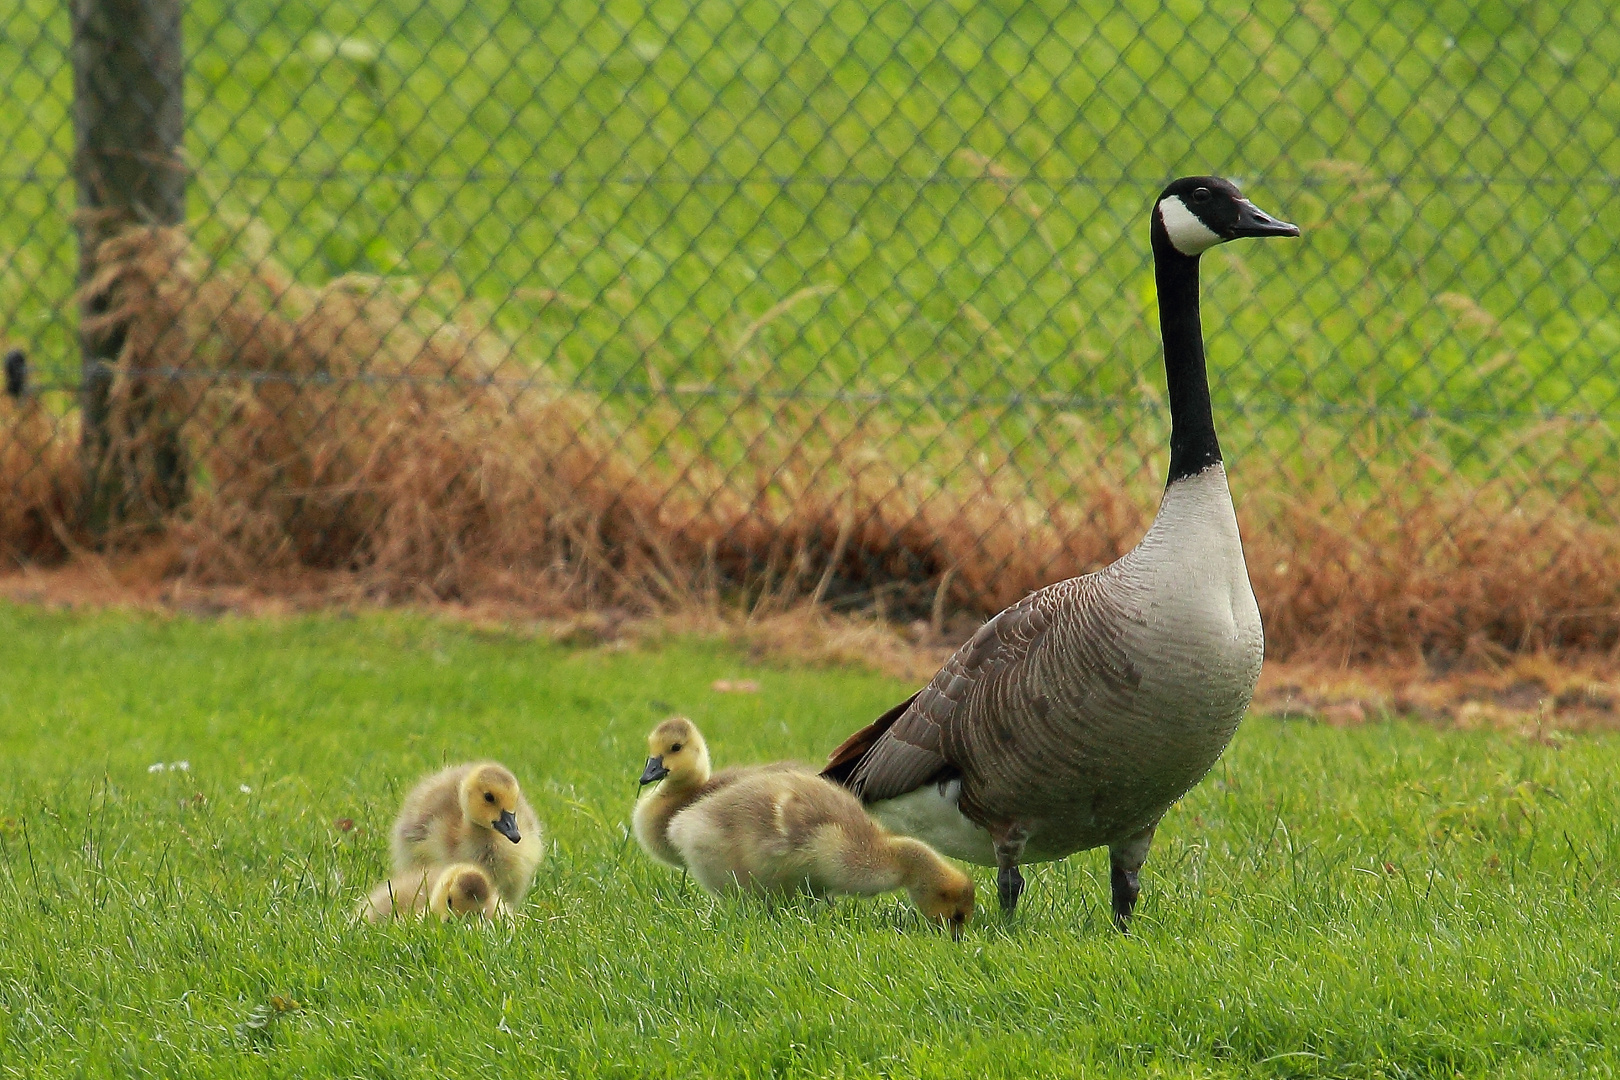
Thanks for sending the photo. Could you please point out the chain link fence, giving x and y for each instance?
(766, 301)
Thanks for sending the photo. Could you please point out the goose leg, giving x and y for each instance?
(1009, 852)
(1125, 861)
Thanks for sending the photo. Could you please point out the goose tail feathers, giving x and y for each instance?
(846, 759)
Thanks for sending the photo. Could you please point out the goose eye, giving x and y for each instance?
(1201, 195)
(489, 797)
(675, 749)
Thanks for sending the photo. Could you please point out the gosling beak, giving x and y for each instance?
(506, 825)
(654, 771)
(1253, 221)
(958, 924)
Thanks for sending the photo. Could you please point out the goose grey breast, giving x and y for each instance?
(1089, 707)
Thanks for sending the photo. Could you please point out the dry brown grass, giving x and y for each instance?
(1435, 569)
(42, 482)
(351, 441)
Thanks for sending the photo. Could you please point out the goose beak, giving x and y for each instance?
(506, 825)
(958, 924)
(654, 771)
(1253, 221)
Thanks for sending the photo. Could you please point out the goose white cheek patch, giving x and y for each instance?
(1189, 235)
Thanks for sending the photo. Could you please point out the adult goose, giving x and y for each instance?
(1076, 717)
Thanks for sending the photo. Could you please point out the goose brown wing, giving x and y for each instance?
(842, 762)
(906, 748)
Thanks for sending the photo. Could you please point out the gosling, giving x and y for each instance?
(445, 891)
(465, 889)
(470, 814)
(782, 832)
(678, 761)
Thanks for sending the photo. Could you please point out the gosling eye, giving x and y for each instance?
(675, 749)
(489, 796)
(1201, 195)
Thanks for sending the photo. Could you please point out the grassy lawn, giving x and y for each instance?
(1385, 901)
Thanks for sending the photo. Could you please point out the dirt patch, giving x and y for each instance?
(1537, 695)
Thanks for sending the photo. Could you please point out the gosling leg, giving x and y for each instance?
(1125, 861)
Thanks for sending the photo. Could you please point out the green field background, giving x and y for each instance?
(921, 209)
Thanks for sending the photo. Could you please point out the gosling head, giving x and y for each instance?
(947, 900)
(676, 750)
(1195, 213)
(463, 889)
(489, 799)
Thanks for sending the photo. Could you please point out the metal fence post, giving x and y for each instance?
(129, 128)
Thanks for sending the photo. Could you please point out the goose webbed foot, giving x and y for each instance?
(1125, 874)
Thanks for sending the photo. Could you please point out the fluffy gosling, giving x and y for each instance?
(465, 889)
(678, 761)
(445, 891)
(782, 832)
(470, 814)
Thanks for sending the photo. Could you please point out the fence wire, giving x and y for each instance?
(848, 300)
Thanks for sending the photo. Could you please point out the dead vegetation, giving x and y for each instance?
(43, 481)
(360, 442)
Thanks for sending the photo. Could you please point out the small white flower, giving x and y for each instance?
(155, 768)
(244, 789)
(183, 766)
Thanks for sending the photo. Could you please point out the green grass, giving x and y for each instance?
(625, 186)
(1387, 901)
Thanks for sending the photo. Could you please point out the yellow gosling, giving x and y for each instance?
(465, 889)
(403, 896)
(446, 891)
(781, 832)
(471, 813)
(678, 762)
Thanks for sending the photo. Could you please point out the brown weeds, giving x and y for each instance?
(366, 435)
(41, 481)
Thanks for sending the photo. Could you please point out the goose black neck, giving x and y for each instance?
(1193, 446)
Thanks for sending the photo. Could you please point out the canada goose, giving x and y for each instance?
(457, 889)
(1077, 716)
(678, 761)
(470, 813)
(785, 831)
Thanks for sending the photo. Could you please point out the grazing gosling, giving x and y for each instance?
(678, 761)
(783, 831)
(446, 891)
(470, 814)
(465, 889)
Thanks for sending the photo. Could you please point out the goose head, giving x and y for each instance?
(1195, 213)
(676, 750)
(946, 899)
(489, 799)
(463, 889)
(16, 373)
